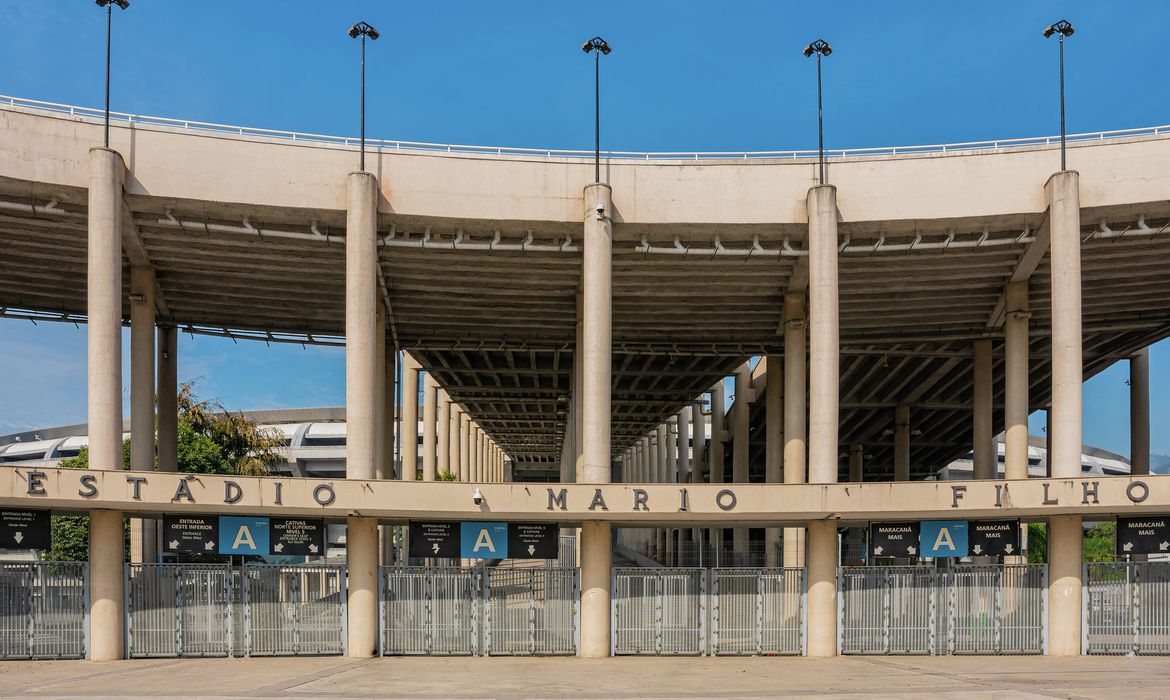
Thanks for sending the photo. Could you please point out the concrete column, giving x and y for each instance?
(699, 432)
(795, 463)
(715, 452)
(429, 418)
(465, 447)
(740, 447)
(856, 463)
(659, 453)
(380, 398)
(684, 443)
(389, 413)
(409, 425)
(477, 456)
(824, 334)
(443, 433)
(984, 457)
(454, 441)
(596, 564)
(824, 367)
(104, 307)
(596, 360)
(902, 442)
(1139, 412)
(168, 398)
(1065, 537)
(144, 547)
(773, 445)
(361, 388)
(1015, 402)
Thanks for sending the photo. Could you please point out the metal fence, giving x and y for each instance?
(217, 610)
(962, 610)
(757, 611)
(44, 610)
(1127, 608)
(659, 611)
(431, 611)
(531, 611)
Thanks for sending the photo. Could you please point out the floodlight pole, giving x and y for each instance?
(820, 125)
(1063, 161)
(362, 158)
(597, 115)
(109, 21)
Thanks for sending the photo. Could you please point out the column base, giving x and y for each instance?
(596, 576)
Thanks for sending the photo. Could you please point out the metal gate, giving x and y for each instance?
(294, 610)
(1127, 608)
(757, 611)
(963, 610)
(429, 610)
(217, 610)
(659, 611)
(530, 611)
(44, 610)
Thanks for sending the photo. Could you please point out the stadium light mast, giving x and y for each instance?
(363, 29)
(1063, 28)
(109, 5)
(821, 48)
(598, 46)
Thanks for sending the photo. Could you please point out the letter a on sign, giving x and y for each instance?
(943, 538)
(244, 537)
(482, 541)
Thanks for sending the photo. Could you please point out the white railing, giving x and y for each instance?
(387, 144)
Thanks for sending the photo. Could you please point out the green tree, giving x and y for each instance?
(447, 476)
(1037, 543)
(212, 440)
(1099, 542)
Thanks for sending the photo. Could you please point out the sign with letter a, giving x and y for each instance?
(943, 538)
(483, 540)
(243, 535)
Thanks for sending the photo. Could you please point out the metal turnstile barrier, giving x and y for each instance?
(757, 611)
(1126, 608)
(44, 610)
(659, 611)
(431, 611)
(962, 610)
(530, 611)
(184, 610)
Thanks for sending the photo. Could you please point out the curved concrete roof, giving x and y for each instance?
(480, 260)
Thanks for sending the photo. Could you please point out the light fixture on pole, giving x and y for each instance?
(109, 5)
(363, 29)
(1063, 28)
(821, 48)
(598, 46)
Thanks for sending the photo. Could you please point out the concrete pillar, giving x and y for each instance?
(409, 425)
(684, 443)
(144, 547)
(1139, 412)
(168, 398)
(104, 307)
(454, 440)
(361, 388)
(465, 447)
(984, 458)
(1065, 537)
(699, 439)
(715, 452)
(381, 445)
(795, 414)
(443, 433)
(824, 368)
(740, 448)
(428, 428)
(389, 413)
(1015, 402)
(824, 334)
(902, 442)
(596, 375)
(773, 445)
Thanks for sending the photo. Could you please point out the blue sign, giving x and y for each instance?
(243, 535)
(943, 538)
(483, 540)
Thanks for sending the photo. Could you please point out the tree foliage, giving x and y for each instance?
(212, 440)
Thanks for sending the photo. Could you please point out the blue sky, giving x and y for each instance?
(683, 76)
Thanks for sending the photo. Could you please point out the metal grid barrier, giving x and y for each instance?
(179, 610)
(963, 610)
(43, 610)
(757, 611)
(431, 611)
(1127, 608)
(530, 611)
(294, 610)
(659, 611)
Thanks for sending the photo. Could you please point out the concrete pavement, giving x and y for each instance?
(872, 678)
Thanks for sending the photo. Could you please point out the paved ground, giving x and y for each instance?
(872, 678)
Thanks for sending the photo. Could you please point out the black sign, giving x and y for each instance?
(993, 538)
(25, 529)
(893, 539)
(434, 540)
(296, 536)
(192, 534)
(1143, 535)
(533, 540)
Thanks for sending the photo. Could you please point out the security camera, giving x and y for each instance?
(599, 207)
(477, 497)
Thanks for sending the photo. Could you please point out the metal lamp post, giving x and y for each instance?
(598, 46)
(821, 48)
(109, 5)
(1063, 28)
(363, 29)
